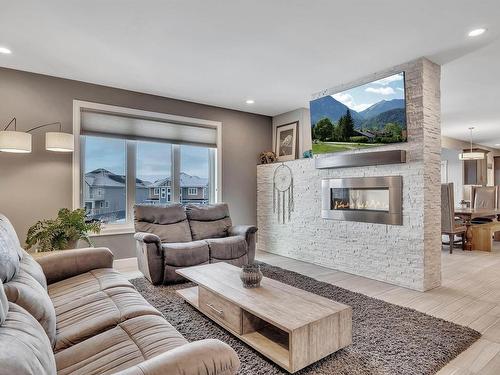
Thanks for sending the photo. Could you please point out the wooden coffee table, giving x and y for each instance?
(291, 327)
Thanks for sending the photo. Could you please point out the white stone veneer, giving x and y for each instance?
(407, 255)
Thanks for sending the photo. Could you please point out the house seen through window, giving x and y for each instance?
(106, 173)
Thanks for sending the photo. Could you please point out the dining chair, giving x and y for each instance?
(449, 226)
(484, 197)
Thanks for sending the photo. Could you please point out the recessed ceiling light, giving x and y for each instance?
(250, 101)
(5, 50)
(477, 32)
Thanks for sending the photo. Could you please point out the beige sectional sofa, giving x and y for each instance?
(71, 313)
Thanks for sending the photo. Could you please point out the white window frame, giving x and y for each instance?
(156, 191)
(192, 191)
(215, 176)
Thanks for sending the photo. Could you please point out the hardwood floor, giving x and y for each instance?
(469, 295)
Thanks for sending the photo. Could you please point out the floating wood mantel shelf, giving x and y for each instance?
(361, 159)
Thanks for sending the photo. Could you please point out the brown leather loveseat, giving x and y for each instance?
(71, 313)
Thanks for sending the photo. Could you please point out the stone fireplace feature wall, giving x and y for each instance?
(407, 255)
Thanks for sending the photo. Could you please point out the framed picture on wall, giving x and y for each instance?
(286, 141)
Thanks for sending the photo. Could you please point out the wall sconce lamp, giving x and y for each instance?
(20, 142)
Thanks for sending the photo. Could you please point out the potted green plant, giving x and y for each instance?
(62, 232)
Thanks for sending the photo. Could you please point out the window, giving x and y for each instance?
(104, 174)
(106, 197)
(195, 173)
(129, 156)
(153, 170)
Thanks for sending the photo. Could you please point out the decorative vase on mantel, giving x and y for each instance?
(251, 275)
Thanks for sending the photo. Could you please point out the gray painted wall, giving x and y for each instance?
(33, 186)
(455, 172)
(303, 116)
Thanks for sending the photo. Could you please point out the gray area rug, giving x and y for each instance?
(387, 339)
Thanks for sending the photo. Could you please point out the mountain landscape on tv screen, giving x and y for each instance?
(374, 117)
(365, 116)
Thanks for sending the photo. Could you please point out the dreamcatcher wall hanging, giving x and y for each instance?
(283, 203)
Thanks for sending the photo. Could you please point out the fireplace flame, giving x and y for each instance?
(339, 205)
(360, 205)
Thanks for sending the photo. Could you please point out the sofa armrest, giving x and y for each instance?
(204, 357)
(68, 263)
(150, 256)
(242, 230)
(148, 238)
(248, 231)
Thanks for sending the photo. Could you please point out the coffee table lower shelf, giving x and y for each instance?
(268, 340)
(285, 348)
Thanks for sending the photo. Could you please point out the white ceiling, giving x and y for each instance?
(470, 96)
(279, 52)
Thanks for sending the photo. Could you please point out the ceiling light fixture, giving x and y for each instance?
(471, 155)
(477, 32)
(5, 50)
(250, 101)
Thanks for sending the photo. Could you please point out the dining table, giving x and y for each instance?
(469, 214)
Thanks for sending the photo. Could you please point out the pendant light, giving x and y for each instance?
(471, 155)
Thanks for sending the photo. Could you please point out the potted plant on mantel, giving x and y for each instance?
(63, 232)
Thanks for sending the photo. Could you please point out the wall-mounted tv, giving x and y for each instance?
(365, 116)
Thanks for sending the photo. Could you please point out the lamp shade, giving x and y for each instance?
(14, 141)
(471, 155)
(59, 142)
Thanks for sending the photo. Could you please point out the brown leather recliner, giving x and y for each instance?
(71, 313)
(172, 237)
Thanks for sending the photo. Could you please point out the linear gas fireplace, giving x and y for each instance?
(365, 199)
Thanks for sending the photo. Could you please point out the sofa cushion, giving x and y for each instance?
(201, 230)
(24, 347)
(160, 214)
(178, 232)
(25, 291)
(185, 254)
(85, 284)
(87, 316)
(33, 268)
(4, 304)
(167, 222)
(126, 345)
(10, 250)
(227, 248)
(210, 212)
(210, 221)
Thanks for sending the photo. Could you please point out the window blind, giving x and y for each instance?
(112, 125)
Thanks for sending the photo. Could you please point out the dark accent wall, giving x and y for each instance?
(34, 186)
